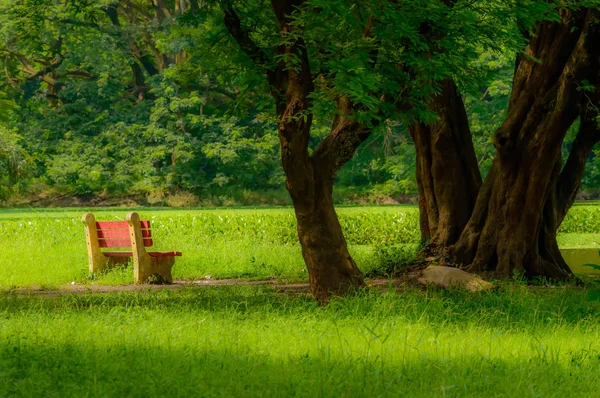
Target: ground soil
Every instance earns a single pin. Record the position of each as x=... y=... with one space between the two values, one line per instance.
x=408 y=279
x=293 y=288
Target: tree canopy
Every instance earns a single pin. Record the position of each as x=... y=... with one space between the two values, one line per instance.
x=150 y=98
x=92 y=80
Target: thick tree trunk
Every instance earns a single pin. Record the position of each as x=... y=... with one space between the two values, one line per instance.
x=514 y=223
x=447 y=174
x=331 y=269
x=309 y=178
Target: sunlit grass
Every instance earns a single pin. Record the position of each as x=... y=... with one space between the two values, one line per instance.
x=254 y=341
x=46 y=247
x=574 y=240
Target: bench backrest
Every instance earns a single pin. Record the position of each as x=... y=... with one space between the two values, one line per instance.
x=116 y=233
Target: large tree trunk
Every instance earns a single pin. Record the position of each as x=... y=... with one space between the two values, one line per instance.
x=331 y=269
x=309 y=178
x=447 y=174
x=520 y=206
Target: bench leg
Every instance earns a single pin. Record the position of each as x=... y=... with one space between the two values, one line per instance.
x=159 y=267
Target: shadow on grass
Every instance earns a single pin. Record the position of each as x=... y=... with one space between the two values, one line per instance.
x=514 y=308
x=146 y=371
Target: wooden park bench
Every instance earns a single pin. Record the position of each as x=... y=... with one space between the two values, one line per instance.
x=133 y=234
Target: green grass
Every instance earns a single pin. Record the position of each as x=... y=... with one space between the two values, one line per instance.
x=251 y=341
x=46 y=247
x=574 y=240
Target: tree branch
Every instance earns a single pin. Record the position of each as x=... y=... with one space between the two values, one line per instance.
x=113 y=14
x=572 y=173
x=340 y=145
x=233 y=24
x=42 y=73
x=194 y=7
x=144 y=59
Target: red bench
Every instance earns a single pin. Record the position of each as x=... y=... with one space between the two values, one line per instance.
x=134 y=234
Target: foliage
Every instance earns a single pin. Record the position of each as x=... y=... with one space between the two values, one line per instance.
x=117 y=99
x=15 y=164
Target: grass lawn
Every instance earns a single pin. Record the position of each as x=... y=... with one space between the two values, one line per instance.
x=46 y=247
x=242 y=341
x=252 y=341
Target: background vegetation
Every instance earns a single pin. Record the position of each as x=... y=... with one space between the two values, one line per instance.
x=141 y=107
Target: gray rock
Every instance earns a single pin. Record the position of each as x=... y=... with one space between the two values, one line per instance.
x=446 y=277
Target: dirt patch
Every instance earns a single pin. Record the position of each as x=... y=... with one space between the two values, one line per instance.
x=292 y=288
x=91 y=288
x=408 y=279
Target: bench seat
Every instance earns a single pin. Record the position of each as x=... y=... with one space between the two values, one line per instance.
x=164 y=254
x=151 y=254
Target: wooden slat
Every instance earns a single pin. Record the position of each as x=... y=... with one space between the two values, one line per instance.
x=116 y=242
x=118 y=254
x=120 y=233
x=116 y=233
x=113 y=233
x=120 y=229
x=146 y=232
x=145 y=224
x=112 y=225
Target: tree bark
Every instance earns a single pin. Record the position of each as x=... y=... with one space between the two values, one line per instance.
x=309 y=178
x=514 y=222
x=572 y=173
x=331 y=268
x=448 y=178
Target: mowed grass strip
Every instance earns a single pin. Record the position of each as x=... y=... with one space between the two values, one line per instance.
x=251 y=341
x=46 y=247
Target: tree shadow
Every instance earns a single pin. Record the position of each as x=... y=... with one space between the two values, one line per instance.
x=517 y=308
x=155 y=370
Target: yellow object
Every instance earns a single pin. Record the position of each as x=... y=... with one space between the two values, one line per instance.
x=582 y=261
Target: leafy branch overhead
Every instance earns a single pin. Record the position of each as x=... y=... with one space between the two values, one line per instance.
x=450 y=100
